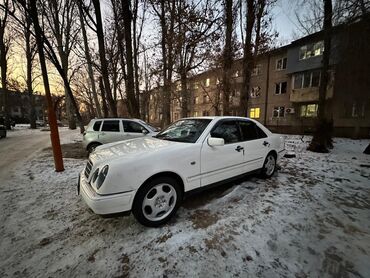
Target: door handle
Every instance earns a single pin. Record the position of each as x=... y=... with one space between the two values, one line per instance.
x=239 y=148
x=265 y=143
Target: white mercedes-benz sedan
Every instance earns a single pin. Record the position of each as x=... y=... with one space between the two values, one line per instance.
x=150 y=176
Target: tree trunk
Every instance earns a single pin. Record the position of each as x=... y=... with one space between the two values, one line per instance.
x=133 y=106
x=29 y=59
x=4 y=68
x=184 y=94
x=89 y=62
x=54 y=133
x=322 y=137
x=227 y=58
x=103 y=60
x=102 y=92
x=247 y=59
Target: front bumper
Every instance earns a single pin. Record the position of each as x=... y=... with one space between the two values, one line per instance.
x=104 y=204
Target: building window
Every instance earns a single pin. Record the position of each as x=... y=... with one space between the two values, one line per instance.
x=358 y=110
x=217 y=81
x=257 y=70
x=311 y=50
x=196 y=114
x=254 y=113
x=280 y=88
x=196 y=85
x=281 y=63
x=196 y=100
x=205 y=113
x=309 y=110
x=208 y=82
x=205 y=98
x=255 y=92
x=279 y=112
x=307 y=79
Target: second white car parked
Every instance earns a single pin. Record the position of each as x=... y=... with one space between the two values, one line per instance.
x=150 y=176
x=108 y=130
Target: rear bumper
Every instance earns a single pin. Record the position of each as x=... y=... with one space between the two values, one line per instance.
x=104 y=204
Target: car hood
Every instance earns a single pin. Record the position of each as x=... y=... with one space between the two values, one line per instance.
x=130 y=148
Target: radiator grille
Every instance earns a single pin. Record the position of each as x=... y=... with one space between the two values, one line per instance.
x=88 y=169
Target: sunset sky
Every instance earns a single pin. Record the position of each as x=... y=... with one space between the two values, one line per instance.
x=284 y=22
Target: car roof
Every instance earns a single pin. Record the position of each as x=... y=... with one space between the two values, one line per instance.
x=128 y=119
x=219 y=117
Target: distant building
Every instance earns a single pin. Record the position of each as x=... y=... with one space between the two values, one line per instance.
x=284 y=89
x=19 y=106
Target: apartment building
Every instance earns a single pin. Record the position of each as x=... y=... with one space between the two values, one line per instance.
x=19 y=106
x=284 y=89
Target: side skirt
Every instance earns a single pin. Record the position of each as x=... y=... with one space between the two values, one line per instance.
x=223 y=182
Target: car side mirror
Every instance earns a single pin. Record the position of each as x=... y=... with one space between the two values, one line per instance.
x=214 y=142
x=144 y=131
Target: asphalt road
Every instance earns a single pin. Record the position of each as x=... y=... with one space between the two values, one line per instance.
x=18 y=147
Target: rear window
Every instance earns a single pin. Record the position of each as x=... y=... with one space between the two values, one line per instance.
x=132 y=127
x=111 y=125
x=97 y=125
x=251 y=131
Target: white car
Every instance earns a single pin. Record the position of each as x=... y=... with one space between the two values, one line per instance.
x=150 y=176
x=102 y=131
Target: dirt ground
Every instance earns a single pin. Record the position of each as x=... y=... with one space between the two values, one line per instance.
x=312 y=219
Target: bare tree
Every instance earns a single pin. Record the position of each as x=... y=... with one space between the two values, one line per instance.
x=197 y=33
x=103 y=60
x=4 y=48
x=227 y=56
x=322 y=139
x=310 y=21
x=54 y=134
x=30 y=51
x=247 y=56
x=61 y=17
x=88 y=60
x=132 y=101
x=165 y=11
x=258 y=38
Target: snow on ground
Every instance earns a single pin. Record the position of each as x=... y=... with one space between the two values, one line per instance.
x=312 y=219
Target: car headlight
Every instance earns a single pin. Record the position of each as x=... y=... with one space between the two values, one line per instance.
x=101 y=177
x=95 y=175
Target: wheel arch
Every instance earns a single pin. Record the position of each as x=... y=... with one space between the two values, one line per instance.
x=93 y=143
x=165 y=174
x=273 y=152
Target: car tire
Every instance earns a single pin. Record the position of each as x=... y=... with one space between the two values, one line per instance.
x=92 y=146
x=157 y=201
x=269 y=166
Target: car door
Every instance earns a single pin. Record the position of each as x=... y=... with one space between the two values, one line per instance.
x=133 y=129
x=222 y=162
x=110 y=131
x=256 y=145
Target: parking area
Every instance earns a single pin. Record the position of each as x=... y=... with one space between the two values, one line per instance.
x=312 y=219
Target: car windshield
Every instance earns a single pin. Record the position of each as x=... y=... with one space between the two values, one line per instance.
x=186 y=131
x=152 y=128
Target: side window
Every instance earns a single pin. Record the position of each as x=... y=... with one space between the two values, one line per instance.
x=261 y=133
x=229 y=131
x=133 y=127
x=97 y=125
x=248 y=130
x=110 y=125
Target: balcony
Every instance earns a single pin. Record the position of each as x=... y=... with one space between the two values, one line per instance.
x=308 y=94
